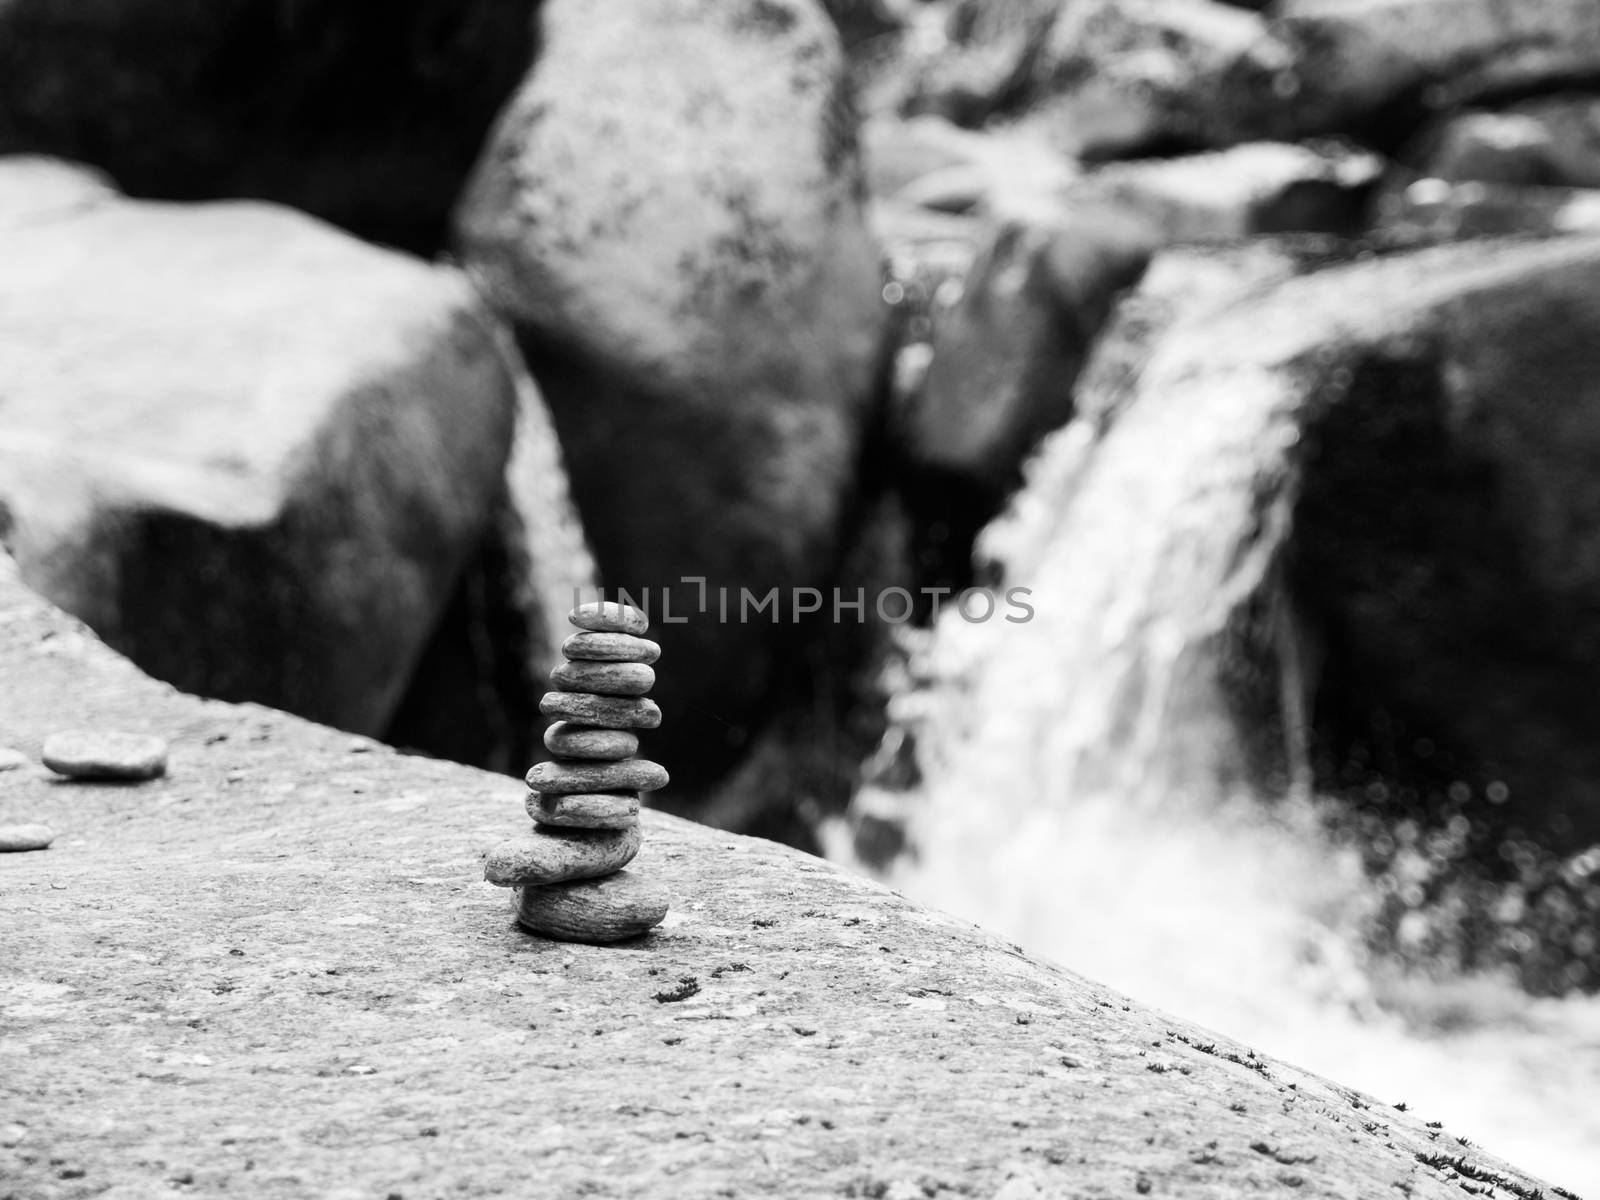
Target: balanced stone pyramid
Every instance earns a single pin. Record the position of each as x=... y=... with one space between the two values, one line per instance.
x=584 y=802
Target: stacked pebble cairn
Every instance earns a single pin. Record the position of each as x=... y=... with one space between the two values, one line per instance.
x=568 y=872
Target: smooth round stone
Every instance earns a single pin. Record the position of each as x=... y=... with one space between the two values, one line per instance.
x=604 y=678
x=610 y=647
x=11 y=759
x=599 y=911
x=105 y=754
x=585 y=810
x=581 y=741
x=608 y=712
x=575 y=775
x=553 y=855
x=17 y=838
x=608 y=616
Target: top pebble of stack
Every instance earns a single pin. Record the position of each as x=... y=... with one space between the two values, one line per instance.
x=608 y=616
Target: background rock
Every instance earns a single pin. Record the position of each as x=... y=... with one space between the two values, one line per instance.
x=249 y=450
x=1380 y=67
x=1549 y=141
x=685 y=259
x=367 y=116
x=1247 y=190
x=1103 y=78
x=1006 y=357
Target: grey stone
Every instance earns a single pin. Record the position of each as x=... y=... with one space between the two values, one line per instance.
x=25 y=837
x=631 y=774
x=11 y=759
x=554 y=855
x=581 y=741
x=585 y=810
x=604 y=678
x=249 y=450
x=609 y=616
x=685 y=255
x=610 y=647
x=104 y=754
x=608 y=712
x=613 y=909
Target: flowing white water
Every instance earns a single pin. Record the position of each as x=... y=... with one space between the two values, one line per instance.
x=1088 y=792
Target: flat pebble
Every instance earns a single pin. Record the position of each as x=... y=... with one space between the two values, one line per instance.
x=15 y=838
x=599 y=911
x=576 y=775
x=610 y=647
x=580 y=741
x=604 y=678
x=11 y=759
x=105 y=754
x=585 y=810
x=552 y=855
x=608 y=712
x=608 y=616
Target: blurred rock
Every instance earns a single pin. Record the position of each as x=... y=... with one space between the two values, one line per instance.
x=1374 y=64
x=1108 y=77
x=1340 y=519
x=1551 y=141
x=250 y=451
x=1254 y=188
x=39 y=189
x=984 y=63
x=1433 y=210
x=369 y=116
x=685 y=258
x=1006 y=357
x=863 y=21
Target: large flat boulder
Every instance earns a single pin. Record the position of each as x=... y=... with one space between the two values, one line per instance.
x=252 y=452
x=684 y=255
x=277 y=971
x=367 y=116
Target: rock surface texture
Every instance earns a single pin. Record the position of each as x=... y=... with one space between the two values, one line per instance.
x=277 y=972
x=274 y=502
x=684 y=255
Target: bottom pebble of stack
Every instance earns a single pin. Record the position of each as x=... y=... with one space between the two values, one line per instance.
x=612 y=909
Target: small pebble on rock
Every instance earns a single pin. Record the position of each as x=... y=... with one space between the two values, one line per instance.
x=575 y=775
x=613 y=909
x=608 y=616
x=585 y=810
x=16 y=838
x=610 y=647
x=554 y=855
x=608 y=712
x=105 y=755
x=579 y=741
x=604 y=678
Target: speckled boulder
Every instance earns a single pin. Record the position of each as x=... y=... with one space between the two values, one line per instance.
x=670 y=212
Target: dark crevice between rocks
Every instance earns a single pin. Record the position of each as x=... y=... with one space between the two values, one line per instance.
x=471 y=699
x=369 y=116
x=1452 y=709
